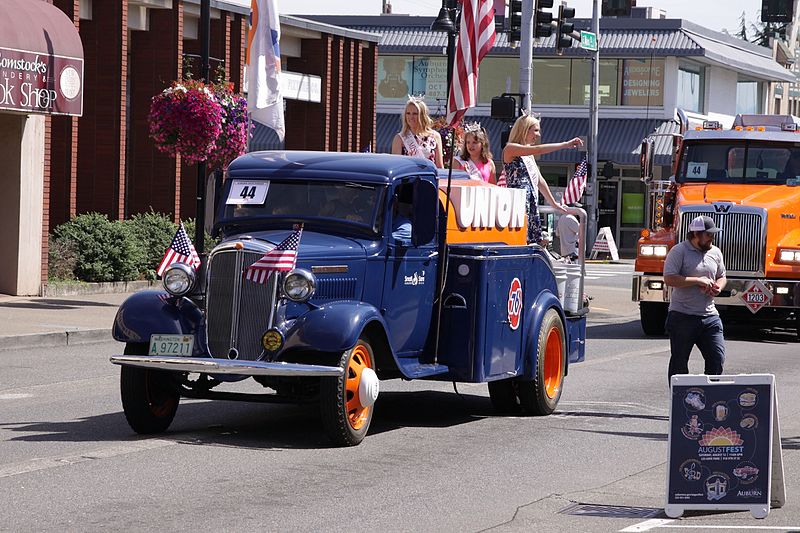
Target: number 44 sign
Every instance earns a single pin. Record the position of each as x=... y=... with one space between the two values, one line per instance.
x=756 y=296
x=247 y=192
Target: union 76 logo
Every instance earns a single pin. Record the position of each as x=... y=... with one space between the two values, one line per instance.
x=514 y=303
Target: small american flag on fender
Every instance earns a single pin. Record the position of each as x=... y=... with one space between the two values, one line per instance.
x=181 y=250
x=280 y=259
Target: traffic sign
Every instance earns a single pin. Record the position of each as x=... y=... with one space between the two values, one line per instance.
x=589 y=40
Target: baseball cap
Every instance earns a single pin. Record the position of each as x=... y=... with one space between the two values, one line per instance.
x=703 y=223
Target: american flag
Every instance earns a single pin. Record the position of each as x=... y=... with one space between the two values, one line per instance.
x=180 y=250
x=577 y=184
x=475 y=39
x=281 y=258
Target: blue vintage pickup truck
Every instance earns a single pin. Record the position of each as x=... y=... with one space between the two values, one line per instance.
x=387 y=284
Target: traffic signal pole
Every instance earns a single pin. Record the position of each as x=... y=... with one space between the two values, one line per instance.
x=591 y=207
x=526 y=55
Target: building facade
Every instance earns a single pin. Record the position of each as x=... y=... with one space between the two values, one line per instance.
x=649 y=67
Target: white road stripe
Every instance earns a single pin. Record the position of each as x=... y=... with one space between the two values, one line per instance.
x=665 y=523
x=647 y=525
x=14 y=396
x=34 y=465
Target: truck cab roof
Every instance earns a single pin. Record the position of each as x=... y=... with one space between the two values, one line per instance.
x=372 y=168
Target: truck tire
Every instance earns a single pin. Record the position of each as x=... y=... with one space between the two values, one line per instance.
x=503 y=395
x=540 y=396
x=653 y=315
x=345 y=420
x=149 y=397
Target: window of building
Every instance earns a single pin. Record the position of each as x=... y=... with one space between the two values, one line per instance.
x=642 y=82
x=748 y=97
x=498 y=75
x=551 y=81
x=691 y=87
x=395 y=78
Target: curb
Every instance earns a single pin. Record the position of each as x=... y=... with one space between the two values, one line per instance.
x=55 y=340
x=109 y=287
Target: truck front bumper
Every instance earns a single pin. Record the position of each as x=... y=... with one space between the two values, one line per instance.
x=785 y=293
x=207 y=365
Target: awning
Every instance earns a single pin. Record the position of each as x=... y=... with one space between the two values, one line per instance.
x=619 y=140
x=41 y=59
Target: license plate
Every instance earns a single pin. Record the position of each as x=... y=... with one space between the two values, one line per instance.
x=171 y=345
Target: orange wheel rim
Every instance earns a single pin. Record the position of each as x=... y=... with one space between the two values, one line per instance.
x=553 y=363
x=357 y=414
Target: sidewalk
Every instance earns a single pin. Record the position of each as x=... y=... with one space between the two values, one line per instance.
x=56 y=321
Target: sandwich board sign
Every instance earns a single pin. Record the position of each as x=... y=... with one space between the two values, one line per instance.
x=724 y=445
x=604 y=244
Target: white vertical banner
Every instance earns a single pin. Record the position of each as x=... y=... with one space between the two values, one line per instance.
x=264 y=100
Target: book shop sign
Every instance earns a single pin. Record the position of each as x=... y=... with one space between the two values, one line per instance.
x=40 y=83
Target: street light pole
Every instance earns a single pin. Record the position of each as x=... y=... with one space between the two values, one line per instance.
x=205 y=49
x=593 y=121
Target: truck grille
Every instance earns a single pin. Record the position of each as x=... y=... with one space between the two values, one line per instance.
x=742 y=240
x=238 y=311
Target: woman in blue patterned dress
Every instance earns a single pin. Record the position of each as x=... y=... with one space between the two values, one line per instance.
x=522 y=172
x=417 y=138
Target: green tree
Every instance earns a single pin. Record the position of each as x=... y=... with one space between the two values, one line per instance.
x=742 y=33
x=762 y=31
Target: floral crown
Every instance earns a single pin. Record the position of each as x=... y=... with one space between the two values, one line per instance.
x=472 y=127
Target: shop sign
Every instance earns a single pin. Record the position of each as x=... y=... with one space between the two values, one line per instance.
x=642 y=82
x=40 y=83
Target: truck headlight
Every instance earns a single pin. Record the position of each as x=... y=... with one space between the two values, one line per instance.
x=299 y=285
x=789 y=256
x=179 y=279
x=651 y=250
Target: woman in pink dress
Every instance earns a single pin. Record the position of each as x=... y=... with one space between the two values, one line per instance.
x=417 y=138
x=475 y=157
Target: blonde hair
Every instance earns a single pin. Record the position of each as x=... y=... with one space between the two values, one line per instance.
x=425 y=122
x=482 y=137
x=519 y=132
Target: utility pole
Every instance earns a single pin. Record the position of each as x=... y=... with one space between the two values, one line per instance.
x=205 y=52
x=526 y=55
x=592 y=144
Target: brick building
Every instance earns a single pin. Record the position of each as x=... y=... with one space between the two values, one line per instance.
x=104 y=160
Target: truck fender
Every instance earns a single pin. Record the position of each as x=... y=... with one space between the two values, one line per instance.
x=336 y=326
x=544 y=301
x=151 y=312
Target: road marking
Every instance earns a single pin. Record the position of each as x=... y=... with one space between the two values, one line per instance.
x=665 y=523
x=34 y=465
x=14 y=396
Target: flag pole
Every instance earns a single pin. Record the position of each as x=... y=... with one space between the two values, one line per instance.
x=205 y=46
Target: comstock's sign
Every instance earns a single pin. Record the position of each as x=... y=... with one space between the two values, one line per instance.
x=40 y=83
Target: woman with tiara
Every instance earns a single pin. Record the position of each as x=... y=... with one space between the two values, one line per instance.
x=475 y=156
x=417 y=138
x=522 y=172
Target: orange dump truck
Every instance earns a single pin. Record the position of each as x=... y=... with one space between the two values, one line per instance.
x=747 y=179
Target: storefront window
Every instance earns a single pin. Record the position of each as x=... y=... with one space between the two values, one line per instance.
x=551 y=81
x=395 y=78
x=582 y=82
x=691 y=87
x=748 y=97
x=633 y=195
x=498 y=75
x=430 y=77
x=642 y=82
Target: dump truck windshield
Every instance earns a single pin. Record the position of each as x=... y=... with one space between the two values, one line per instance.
x=746 y=162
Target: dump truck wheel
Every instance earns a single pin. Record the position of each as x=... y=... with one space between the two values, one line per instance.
x=653 y=315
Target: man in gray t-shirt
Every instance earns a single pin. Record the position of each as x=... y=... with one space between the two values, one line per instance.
x=695 y=270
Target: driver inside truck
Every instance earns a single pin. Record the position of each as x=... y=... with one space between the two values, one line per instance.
x=792 y=168
x=401 y=214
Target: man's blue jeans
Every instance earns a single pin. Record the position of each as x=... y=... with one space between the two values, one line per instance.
x=686 y=331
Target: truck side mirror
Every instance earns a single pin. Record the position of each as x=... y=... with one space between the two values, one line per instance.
x=426 y=205
x=646 y=159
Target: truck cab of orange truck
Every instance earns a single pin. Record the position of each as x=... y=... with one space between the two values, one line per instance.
x=747 y=179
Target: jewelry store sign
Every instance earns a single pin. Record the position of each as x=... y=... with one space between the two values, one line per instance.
x=40 y=83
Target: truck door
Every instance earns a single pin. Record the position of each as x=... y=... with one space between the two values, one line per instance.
x=410 y=278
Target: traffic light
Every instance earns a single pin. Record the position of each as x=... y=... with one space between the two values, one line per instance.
x=617 y=8
x=542 y=19
x=776 y=10
x=515 y=21
x=565 y=28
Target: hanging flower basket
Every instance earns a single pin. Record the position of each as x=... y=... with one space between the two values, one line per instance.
x=232 y=140
x=186 y=120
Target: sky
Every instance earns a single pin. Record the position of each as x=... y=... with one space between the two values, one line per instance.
x=713 y=14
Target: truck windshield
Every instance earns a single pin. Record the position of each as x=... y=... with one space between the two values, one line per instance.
x=745 y=162
x=347 y=203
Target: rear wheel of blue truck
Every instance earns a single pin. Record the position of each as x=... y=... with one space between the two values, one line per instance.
x=149 y=397
x=346 y=402
x=540 y=396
